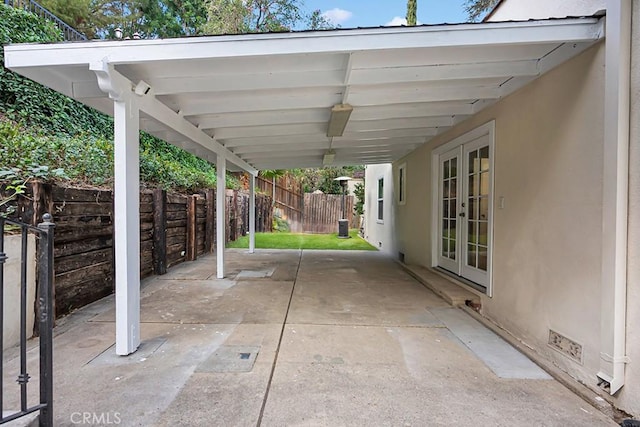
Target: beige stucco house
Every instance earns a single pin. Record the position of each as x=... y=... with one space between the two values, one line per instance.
x=533 y=205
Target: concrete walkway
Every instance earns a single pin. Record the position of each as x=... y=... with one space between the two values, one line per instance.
x=312 y=338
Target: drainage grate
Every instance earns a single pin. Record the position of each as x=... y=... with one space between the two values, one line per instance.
x=230 y=358
x=566 y=346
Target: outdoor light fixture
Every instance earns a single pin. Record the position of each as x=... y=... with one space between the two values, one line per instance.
x=118 y=33
x=340 y=114
x=329 y=157
x=142 y=88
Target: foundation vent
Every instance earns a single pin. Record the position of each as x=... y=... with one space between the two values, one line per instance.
x=566 y=346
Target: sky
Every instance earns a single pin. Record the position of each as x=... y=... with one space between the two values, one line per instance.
x=373 y=13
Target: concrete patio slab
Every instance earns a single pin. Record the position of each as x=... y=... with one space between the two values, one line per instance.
x=334 y=338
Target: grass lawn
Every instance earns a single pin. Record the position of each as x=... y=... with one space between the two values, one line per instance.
x=304 y=241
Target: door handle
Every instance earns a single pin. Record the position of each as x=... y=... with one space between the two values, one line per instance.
x=462 y=214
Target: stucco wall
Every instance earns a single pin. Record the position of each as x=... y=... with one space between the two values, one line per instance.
x=514 y=10
x=380 y=234
x=629 y=396
x=11 y=329
x=547 y=239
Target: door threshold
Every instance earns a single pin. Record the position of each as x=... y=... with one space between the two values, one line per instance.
x=461 y=280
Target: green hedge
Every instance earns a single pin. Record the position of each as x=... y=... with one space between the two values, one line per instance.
x=39 y=126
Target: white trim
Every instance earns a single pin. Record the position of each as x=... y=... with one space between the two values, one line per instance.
x=615 y=194
x=487 y=129
x=140 y=51
x=402 y=184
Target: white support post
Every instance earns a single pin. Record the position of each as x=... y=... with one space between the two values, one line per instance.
x=252 y=213
x=127 y=225
x=221 y=190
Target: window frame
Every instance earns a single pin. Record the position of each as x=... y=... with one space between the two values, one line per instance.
x=402 y=184
x=380 y=199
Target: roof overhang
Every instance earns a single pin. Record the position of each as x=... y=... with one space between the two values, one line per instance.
x=265 y=99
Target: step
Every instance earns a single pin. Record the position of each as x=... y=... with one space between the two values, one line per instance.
x=447 y=289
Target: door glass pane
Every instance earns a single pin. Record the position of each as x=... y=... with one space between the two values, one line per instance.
x=452 y=229
x=472 y=233
x=484 y=158
x=453 y=168
x=452 y=249
x=483 y=232
x=445 y=248
x=484 y=209
x=445 y=209
x=482 y=258
x=473 y=162
x=484 y=183
x=471 y=255
x=453 y=188
x=473 y=185
x=453 y=208
x=445 y=168
x=471 y=209
x=445 y=189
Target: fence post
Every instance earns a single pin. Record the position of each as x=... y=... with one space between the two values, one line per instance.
x=210 y=226
x=192 y=245
x=46 y=315
x=159 y=231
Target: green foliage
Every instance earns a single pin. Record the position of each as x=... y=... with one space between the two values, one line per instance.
x=75 y=13
x=304 y=241
x=476 y=9
x=412 y=12
x=358 y=191
x=44 y=128
x=323 y=179
x=280 y=224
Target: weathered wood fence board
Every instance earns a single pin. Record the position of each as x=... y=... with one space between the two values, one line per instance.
x=173 y=228
x=288 y=195
x=322 y=212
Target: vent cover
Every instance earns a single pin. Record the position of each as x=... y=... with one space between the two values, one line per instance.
x=566 y=346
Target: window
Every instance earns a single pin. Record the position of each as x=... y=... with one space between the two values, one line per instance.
x=462 y=206
x=402 y=179
x=380 y=199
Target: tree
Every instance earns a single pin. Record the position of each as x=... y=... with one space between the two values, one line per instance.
x=412 y=12
x=478 y=8
x=259 y=16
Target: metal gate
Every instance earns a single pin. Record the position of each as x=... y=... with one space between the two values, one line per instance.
x=44 y=318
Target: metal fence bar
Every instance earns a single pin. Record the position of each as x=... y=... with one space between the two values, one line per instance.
x=23 y=378
x=44 y=231
x=3 y=258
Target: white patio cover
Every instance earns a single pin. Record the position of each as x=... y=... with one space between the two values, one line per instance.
x=263 y=101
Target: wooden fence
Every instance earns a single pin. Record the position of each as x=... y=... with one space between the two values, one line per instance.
x=173 y=228
x=288 y=196
x=322 y=212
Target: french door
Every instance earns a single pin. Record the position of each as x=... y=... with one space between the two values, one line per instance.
x=465 y=210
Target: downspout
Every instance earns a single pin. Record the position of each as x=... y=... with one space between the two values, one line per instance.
x=613 y=358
